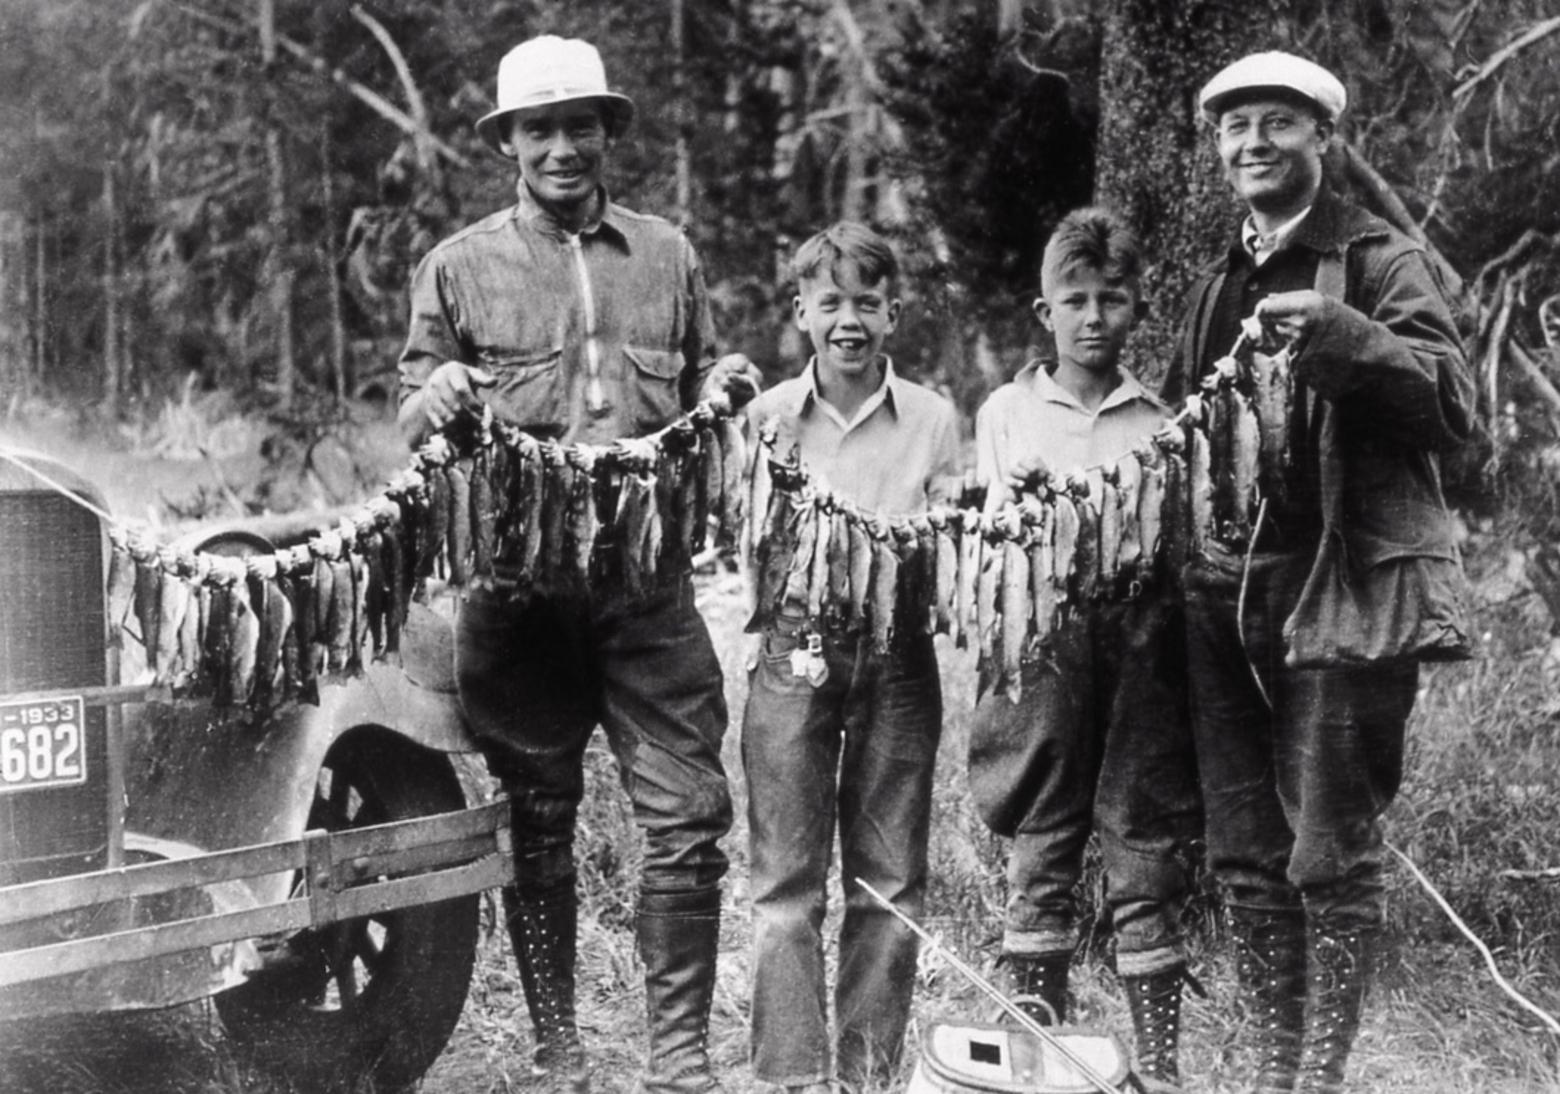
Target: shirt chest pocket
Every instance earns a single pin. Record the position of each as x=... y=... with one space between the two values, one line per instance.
x=650 y=389
x=532 y=388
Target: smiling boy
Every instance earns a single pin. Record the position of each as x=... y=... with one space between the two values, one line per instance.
x=1098 y=739
x=851 y=738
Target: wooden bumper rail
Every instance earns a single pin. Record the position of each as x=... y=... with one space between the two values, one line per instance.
x=344 y=875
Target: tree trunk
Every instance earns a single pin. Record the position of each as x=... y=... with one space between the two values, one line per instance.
x=1154 y=161
x=278 y=267
x=680 y=116
x=338 y=332
x=113 y=365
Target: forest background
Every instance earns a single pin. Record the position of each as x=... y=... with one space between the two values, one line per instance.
x=209 y=210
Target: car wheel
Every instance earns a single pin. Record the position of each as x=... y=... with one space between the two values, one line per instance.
x=365 y=1003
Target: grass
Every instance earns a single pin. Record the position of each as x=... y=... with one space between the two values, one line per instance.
x=1481 y=795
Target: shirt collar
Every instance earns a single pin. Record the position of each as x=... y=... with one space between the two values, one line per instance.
x=884 y=396
x=1045 y=387
x=528 y=209
x=1261 y=247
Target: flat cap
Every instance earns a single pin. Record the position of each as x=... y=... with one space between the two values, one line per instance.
x=1273 y=71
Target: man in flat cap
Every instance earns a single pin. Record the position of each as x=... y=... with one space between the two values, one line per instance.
x=580 y=321
x=1304 y=644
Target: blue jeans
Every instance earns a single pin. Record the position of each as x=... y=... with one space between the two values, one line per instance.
x=1294 y=791
x=1099 y=740
x=858 y=750
x=535 y=679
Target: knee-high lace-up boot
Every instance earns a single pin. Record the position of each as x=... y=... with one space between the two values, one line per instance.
x=542 y=927
x=1155 y=1003
x=1340 y=969
x=1270 y=966
x=1042 y=977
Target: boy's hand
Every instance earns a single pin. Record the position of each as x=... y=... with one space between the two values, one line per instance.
x=1291 y=315
x=1024 y=476
x=452 y=390
x=734 y=380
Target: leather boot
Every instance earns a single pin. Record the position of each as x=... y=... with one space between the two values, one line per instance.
x=542 y=930
x=1270 y=966
x=1042 y=977
x=1155 y=1003
x=1340 y=969
x=679 y=935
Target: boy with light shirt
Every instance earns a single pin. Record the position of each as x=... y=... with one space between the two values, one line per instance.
x=1099 y=738
x=854 y=739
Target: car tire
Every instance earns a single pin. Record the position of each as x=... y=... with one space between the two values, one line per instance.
x=365 y=1004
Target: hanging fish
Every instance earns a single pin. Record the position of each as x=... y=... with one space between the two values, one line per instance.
x=173 y=599
x=733 y=458
x=971 y=538
x=1086 y=550
x=323 y=600
x=189 y=635
x=1044 y=589
x=1016 y=604
x=343 y=594
x=121 y=584
x=926 y=564
x=243 y=645
x=710 y=477
x=1066 y=532
x=988 y=591
x=1151 y=505
x=773 y=550
x=636 y=500
x=885 y=587
x=798 y=580
x=558 y=482
x=1246 y=453
x=303 y=572
x=1129 y=489
x=1199 y=487
x=912 y=597
x=358 y=634
x=863 y=554
x=945 y=570
x=760 y=493
x=837 y=601
x=584 y=523
x=1110 y=516
x=526 y=505
x=484 y=511
x=148 y=584
x=1273 y=394
x=1176 y=531
x=376 y=594
x=459 y=535
x=288 y=594
x=432 y=544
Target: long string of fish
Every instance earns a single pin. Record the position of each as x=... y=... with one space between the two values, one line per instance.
x=479 y=501
x=1002 y=581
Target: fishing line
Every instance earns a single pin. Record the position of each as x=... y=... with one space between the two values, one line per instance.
x=1489 y=958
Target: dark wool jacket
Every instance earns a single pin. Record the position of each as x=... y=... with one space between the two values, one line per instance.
x=1387 y=368
x=1388 y=388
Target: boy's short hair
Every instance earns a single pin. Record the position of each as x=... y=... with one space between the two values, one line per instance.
x=846 y=241
x=1093 y=238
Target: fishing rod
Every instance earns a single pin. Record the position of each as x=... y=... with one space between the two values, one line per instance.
x=1011 y=1009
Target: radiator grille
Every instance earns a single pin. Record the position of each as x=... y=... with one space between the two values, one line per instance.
x=52 y=638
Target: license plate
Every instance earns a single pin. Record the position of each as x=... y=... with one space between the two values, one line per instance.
x=42 y=743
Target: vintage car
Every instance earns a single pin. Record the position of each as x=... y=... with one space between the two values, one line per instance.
x=315 y=868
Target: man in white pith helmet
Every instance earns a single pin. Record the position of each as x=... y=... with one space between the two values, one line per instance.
x=578 y=320
x=1300 y=700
